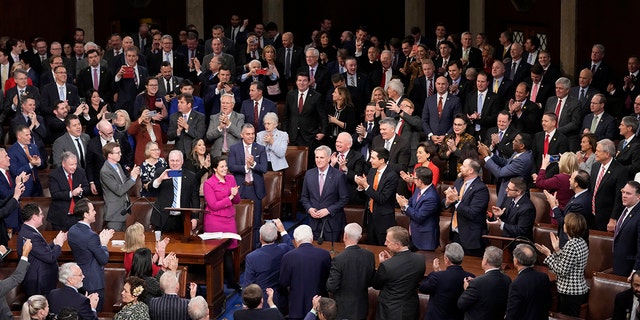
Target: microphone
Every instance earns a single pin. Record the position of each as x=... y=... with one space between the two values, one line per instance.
x=321 y=237
x=127 y=210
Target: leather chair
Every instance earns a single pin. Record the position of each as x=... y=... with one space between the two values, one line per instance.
x=272 y=201
x=113 y=283
x=355 y=214
x=541 y=235
x=603 y=293
x=244 y=224
x=141 y=212
x=600 y=253
x=182 y=273
x=542 y=206
x=445 y=229
x=43 y=175
x=98 y=205
x=297 y=158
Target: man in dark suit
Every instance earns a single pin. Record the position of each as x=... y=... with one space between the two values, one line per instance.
x=438 y=113
x=142 y=38
x=445 y=49
x=11 y=189
x=380 y=187
x=381 y=73
x=499 y=138
x=397 y=277
x=623 y=304
x=459 y=86
x=67 y=296
x=89 y=249
x=324 y=195
x=42 y=276
x=471 y=57
x=518 y=68
x=304 y=271
x=549 y=140
x=481 y=107
x=525 y=114
x=350 y=163
x=485 y=297
x=470 y=198
x=358 y=83
x=257 y=105
x=95 y=77
x=423 y=87
x=217 y=32
x=398 y=146
x=608 y=177
x=169 y=84
x=628 y=153
x=14 y=96
x=319 y=77
x=178 y=60
x=186 y=125
x=423 y=209
x=192 y=50
x=262 y=266
x=67 y=185
x=290 y=55
x=598 y=122
x=541 y=88
x=27 y=117
x=350 y=276
x=366 y=131
x=520 y=164
x=444 y=287
x=95 y=157
x=602 y=73
x=529 y=296
x=73 y=140
x=626 y=238
x=580 y=203
x=128 y=84
x=584 y=92
x=503 y=51
x=500 y=83
x=169 y=306
x=248 y=163
x=305 y=118
x=170 y=221
x=25 y=157
x=516 y=214
x=568 y=111
x=52 y=92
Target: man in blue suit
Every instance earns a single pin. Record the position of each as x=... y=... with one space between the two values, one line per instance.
x=11 y=188
x=520 y=164
x=529 y=297
x=423 y=208
x=89 y=249
x=444 y=287
x=324 y=195
x=248 y=163
x=439 y=110
x=580 y=203
x=42 y=276
x=257 y=105
x=262 y=266
x=604 y=126
x=626 y=236
x=25 y=157
x=304 y=271
x=28 y=117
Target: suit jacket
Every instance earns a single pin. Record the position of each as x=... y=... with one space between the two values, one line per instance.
x=522 y=71
x=66 y=296
x=626 y=244
x=276 y=152
x=217 y=136
x=546 y=89
x=360 y=93
x=179 y=63
x=431 y=123
x=266 y=106
x=95 y=157
x=505 y=169
x=606 y=128
x=629 y=156
x=50 y=95
x=184 y=139
x=8 y=284
x=9 y=209
x=189 y=197
x=169 y=306
x=623 y=305
x=42 y=275
x=399 y=154
x=265 y=314
x=570 y=118
x=503 y=149
x=115 y=186
x=304 y=271
x=505 y=89
x=491 y=106
x=127 y=89
x=486 y=296
x=355 y=164
x=383 y=215
x=227 y=61
x=475 y=57
x=174 y=82
x=321 y=76
x=444 y=288
x=376 y=74
x=89 y=254
x=60 y=195
x=67 y=143
x=529 y=120
x=335 y=195
x=608 y=198
x=471 y=213
x=464 y=87
x=311 y=121
x=297 y=59
x=424 y=213
x=237 y=166
x=227 y=47
x=529 y=296
x=585 y=102
x=419 y=94
x=38 y=134
x=557 y=144
x=10 y=110
x=518 y=220
x=602 y=76
x=20 y=163
x=349 y=281
x=198 y=52
x=397 y=279
x=580 y=204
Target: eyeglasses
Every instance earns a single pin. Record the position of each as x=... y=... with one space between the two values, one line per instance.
x=119 y=152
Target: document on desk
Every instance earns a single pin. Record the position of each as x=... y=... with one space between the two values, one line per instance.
x=219 y=235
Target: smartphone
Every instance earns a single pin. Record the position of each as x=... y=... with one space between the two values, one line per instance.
x=158 y=99
x=554 y=158
x=153 y=113
x=82 y=100
x=174 y=173
x=382 y=104
x=261 y=71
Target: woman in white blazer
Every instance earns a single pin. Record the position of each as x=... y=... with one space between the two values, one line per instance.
x=275 y=141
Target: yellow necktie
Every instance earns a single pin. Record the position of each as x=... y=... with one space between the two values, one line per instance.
x=454 y=223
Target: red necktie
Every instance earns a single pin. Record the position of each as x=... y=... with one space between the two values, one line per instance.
x=255 y=115
x=400 y=125
x=558 y=110
x=384 y=77
x=440 y=107
x=96 y=80
x=6 y=173
x=546 y=145
x=300 y=102
x=430 y=93
x=534 y=92
x=73 y=203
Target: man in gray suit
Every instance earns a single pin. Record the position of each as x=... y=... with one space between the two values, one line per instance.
x=186 y=125
x=567 y=109
x=115 y=185
x=8 y=283
x=226 y=60
x=225 y=127
x=74 y=141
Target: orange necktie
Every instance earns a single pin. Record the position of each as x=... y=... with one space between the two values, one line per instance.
x=375 y=187
x=454 y=223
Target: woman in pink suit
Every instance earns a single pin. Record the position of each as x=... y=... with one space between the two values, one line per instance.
x=221 y=193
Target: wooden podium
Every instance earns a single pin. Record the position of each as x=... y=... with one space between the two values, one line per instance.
x=187 y=235
x=507 y=258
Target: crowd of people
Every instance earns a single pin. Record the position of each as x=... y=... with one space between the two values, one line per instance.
x=385 y=123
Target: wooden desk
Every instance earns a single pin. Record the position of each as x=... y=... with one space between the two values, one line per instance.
x=209 y=253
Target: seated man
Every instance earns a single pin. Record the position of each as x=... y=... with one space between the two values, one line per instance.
x=169 y=306
x=323 y=309
x=71 y=277
x=517 y=214
x=253 y=305
x=623 y=305
x=198 y=308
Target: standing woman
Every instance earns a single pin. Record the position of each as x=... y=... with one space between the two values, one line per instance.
x=343 y=119
x=424 y=153
x=121 y=123
x=587 y=153
x=275 y=143
x=97 y=108
x=221 y=193
x=275 y=88
x=558 y=182
x=145 y=130
x=568 y=264
x=198 y=162
x=456 y=147
x=150 y=99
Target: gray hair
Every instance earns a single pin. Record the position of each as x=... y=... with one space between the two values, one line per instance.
x=166 y=36
x=246 y=126
x=314 y=52
x=493 y=256
x=386 y=52
x=347 y=136
x=396 y=85
x=607 y=146
x=66 y=271
x=388 y=121
x=68 y=155
x=90 y=45
x=178 y=152
x=600 y=47
x=353 y=231
x=454 y=252
x=268 y=232
x=525 y=255
x=255 y=61
x=303 y=234
x=630 y=121
x=271 y=116
x=198 y=308
x=233 y=98
x=324 y=148
x=564 y=82
x=169 y=281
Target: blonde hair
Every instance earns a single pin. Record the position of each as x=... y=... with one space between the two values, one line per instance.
x=568 y=163
x=133 y=237
x=32 y=306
